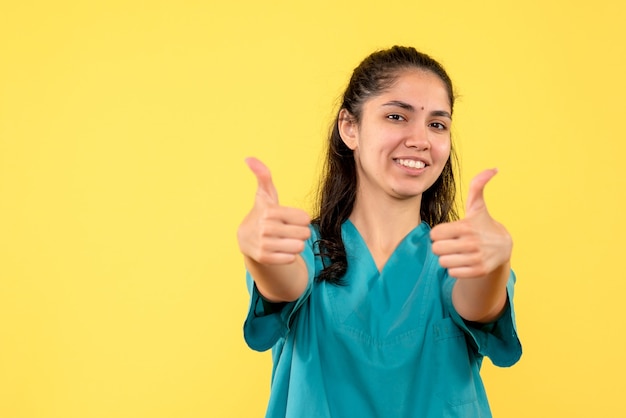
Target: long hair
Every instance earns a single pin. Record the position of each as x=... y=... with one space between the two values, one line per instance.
x=337 y=189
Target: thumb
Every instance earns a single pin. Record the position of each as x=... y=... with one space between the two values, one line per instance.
x=475 y=196
x=264 y=179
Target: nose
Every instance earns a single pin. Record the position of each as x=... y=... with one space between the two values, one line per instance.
x=418 y=138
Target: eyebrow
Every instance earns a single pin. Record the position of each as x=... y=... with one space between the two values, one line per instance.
x=410 y=108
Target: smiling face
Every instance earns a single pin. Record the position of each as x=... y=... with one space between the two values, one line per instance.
x=402 y=141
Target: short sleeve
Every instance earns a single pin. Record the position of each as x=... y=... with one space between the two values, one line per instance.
x=268 y=322
x=497 y=340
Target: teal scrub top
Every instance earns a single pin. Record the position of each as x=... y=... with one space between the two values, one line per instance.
x=385 y=344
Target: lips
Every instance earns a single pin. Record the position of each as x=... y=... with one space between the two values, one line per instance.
x=411 y=163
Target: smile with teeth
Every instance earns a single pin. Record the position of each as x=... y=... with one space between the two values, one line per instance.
x=411 y=163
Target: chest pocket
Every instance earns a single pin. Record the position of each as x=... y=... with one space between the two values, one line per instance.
x=454 y=379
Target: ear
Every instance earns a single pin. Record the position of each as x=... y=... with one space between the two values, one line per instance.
x=348 y=129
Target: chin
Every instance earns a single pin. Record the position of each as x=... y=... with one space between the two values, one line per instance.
x=405 y=194
x=409 y=189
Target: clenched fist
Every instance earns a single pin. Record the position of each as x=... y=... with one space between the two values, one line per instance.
x=476 y=245
x=271 y=234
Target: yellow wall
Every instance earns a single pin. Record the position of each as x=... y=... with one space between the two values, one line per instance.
x=123 y=129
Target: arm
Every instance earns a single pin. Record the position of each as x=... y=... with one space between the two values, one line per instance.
x=271 y=238
x=476 y=251
x=484 y=299
x=279 y=282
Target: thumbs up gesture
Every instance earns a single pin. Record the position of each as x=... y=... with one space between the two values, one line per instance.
x=477 y=245
x=271 y=234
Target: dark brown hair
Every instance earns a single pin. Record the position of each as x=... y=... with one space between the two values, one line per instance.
x=337 y=189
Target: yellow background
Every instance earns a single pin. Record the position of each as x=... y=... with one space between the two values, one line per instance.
x=123 y=130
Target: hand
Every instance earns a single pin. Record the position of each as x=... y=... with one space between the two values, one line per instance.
x=270 y=233
x=477 y=245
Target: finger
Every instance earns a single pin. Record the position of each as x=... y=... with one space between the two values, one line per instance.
x=450 y=230
x=475 y=196
x=452 y=261
x=264 y=179
x=464 y=266
x=283 y=246
x=279 y=230
x=466 y=272
x=277 y=258
x=290 y=216
x=455 y=246
x=279 y=251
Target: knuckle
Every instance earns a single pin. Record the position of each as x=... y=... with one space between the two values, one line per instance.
x=304 y=233
x=265 y=230
x=270 y=212
x=481 y=270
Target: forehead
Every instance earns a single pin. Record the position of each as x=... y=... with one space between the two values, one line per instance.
x=417 y=88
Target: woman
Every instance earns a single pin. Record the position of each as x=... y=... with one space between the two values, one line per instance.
x=385 y=304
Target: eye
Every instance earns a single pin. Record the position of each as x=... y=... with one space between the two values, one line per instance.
x=395 y=117
x=438 y=125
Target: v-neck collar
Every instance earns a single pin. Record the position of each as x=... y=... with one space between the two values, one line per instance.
x=363 y=251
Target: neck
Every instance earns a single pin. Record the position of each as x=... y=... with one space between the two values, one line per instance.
x=384 y=222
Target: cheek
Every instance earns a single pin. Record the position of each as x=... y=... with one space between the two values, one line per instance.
x=442 y=149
